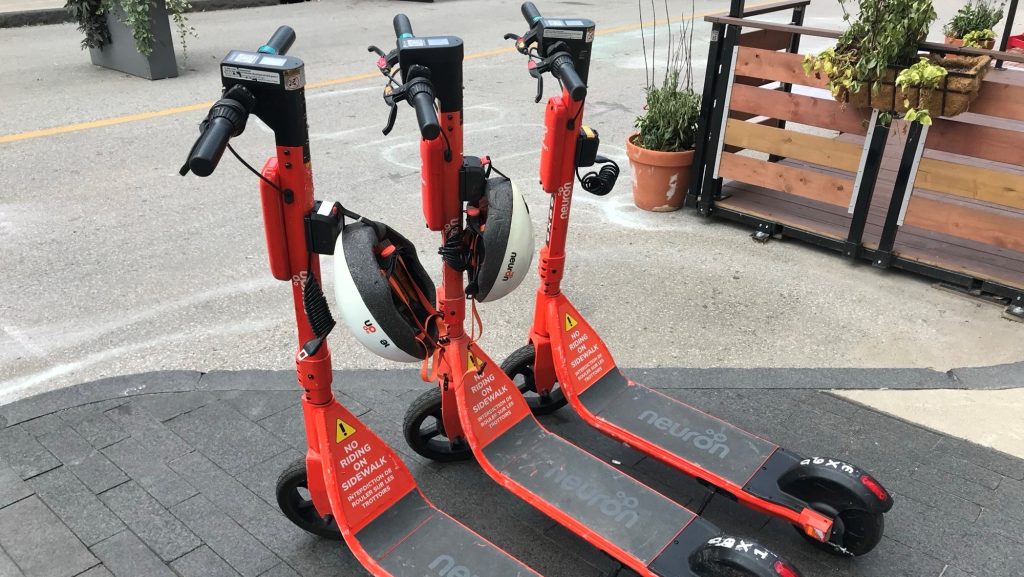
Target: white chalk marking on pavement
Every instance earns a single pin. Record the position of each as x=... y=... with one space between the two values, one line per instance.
x=25 y=342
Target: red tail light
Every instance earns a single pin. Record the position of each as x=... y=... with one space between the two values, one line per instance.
x=874 y=487
x=785 y=570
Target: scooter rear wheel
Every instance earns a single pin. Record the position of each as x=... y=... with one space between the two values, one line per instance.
x=855 y=531
x=424 y=430
x=731 y=557
x=519 y=367
x=295 y=502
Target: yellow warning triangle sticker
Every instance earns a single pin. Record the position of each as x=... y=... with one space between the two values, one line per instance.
x=344 y=431
x=472 y=363
x=570 y=322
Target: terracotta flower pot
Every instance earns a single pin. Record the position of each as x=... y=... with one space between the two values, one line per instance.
x=660 y=179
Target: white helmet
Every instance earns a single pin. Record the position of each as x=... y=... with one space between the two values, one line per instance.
x=385 y=296
x=502 y=221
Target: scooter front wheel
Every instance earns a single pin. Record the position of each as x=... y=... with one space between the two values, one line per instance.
x=519 y=367
x=725 y=556
x=295 y=502
x=423 y=428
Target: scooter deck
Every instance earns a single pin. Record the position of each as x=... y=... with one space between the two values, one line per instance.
x=413 y=539
x=680 y=429
x=663 y=426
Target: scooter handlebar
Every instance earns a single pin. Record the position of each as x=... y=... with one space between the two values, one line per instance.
x=210 y=146
x=531 y=13
x=565 y=71
x=403 y=28
x=426 y=116
x=280 y=42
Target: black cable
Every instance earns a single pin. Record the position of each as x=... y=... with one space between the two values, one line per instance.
x=254 y=171
x=600 y=182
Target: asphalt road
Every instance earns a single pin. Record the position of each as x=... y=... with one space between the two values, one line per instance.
x=113 y=264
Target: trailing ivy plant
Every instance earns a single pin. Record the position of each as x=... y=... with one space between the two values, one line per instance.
x=925 y=75
x=973 y=16
x=885 y=33
x=978 y=38
x=672 y=109
x=91 y=18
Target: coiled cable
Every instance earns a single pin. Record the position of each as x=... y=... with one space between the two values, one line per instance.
x=600 y=182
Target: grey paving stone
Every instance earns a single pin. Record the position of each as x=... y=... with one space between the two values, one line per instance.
x=156 y=526
x=955 y=485
x=227 y=437
x=1009 y=499
x=76 y=506
x=97 y=571
x=938 y=497
x=7 y=566
x=202 y=562
x=232 y=543
x=983 y=456
x=280 y=570
x=247 y=380
x=166 y=406
x=36 y=540
x=223 y=490
x=150 y=472
x=95 y=427
x=256 y=405
x=988 y=555
x=262 y=479
x=287 y=426
x=963 y=469
x=995 y=521
x=102 y=390
x=126 y=556
x=42 y=425
x=12 y=488
x=149 y=431
x=24 y=454
x=88 y=464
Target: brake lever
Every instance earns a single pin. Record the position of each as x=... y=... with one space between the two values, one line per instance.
x=538 y=73
x=385 y=62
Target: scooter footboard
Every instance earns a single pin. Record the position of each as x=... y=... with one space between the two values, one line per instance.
x=415 y=539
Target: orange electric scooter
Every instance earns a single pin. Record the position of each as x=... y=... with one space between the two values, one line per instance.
x=475 y=407
x=351 y=484
x=833 y=504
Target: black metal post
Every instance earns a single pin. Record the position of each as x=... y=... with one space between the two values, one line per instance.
x=869 y=176
x=707 y=105
x=712 y=187
x=1007 y=30
x=736 y=8
x=900 y=190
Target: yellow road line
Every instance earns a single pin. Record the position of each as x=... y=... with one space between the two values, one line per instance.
x=79 y=126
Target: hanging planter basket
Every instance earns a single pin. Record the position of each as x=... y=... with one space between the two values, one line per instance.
x=953 y=96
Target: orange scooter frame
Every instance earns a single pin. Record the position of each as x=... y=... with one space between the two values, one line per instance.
x=350 y=484
x=831 y=502
x=482 y=408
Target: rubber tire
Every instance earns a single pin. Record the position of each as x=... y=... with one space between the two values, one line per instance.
x=436 y=447
x=862 y=530
x=520 y=363
x=298 y=508
x=710 y=561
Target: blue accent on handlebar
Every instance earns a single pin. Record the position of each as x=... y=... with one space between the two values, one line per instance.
x=265 y=49
x=536 y=18
x=405 y=35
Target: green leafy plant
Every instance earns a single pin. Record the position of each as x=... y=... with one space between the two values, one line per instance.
x=979 y=38
x=672 y=109
x=91 y=18
x=885 y=33
x=973 y=16
x=924 y=75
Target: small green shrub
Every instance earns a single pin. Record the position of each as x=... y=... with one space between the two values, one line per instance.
x=978 y=38
x=975 y=15
x=91 y=18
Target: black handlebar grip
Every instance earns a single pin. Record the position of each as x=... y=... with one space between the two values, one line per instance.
x=403 y=28
x=566 y=72
x=281 y=41
x=210 y=146
x=531 y=13
x=426 y=116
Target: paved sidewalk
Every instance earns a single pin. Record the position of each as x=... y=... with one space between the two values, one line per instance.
x=172 y=473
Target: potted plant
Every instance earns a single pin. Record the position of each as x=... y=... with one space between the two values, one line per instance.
x=973 y=24
x=133 y=36
x=661 y=151
x=885 y=34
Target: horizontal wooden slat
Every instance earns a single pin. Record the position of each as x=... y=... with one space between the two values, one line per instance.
x=780 y=66
x=974 y=222
x=997 y=187
x=791 y=144
x=820 y=112
x=1000 y=99
x=790 y=179
x=995 y=144
x=766 y=39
